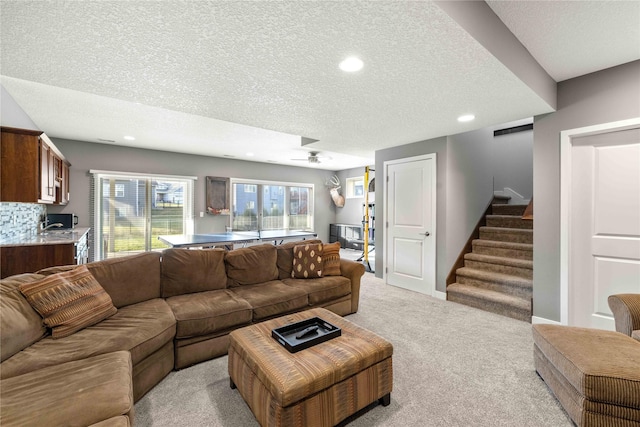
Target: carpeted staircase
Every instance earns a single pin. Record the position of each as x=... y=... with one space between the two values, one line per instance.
x=498 y=274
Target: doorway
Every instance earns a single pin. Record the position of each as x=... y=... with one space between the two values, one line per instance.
x=600 y=217
x=410 y=223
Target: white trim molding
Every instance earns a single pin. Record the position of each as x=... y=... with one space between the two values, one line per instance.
x=565 y=199
x=440 y=295
x=535 y=320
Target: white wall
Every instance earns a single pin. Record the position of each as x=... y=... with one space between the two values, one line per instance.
x=606 y=96
x=85 y=156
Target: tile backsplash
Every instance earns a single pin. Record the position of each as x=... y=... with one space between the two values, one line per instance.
x=20 y=219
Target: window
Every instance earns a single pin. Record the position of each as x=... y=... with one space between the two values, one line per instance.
x=355 y=187
x=132 y=210
x=262 y=205
x=119 y=190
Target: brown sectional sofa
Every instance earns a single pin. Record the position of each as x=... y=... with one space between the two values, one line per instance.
x=175 y=309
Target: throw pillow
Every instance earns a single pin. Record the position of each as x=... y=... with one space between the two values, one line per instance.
x=69 y=301
x=331 y=259
x=307 y=261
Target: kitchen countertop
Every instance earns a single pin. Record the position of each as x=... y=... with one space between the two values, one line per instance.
x=52 y=237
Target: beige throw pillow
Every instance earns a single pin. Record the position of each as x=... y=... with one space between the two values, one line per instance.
x=307 y=261
x=331 y=259
x=69 y=301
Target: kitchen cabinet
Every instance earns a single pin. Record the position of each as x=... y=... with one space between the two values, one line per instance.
x=32 y=169
x=53 y=249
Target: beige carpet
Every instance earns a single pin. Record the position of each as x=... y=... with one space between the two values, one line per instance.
x=453 y=366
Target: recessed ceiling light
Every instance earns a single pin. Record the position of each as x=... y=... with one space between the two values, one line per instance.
x=249 y=154
x=129 y=138
x=466 y=118
x=351 y=64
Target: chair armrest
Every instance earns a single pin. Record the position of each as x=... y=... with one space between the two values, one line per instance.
x=354 y=272
x=626 y=312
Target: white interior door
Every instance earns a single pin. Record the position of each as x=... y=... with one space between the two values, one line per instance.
x=410 y=252
x=604 y=229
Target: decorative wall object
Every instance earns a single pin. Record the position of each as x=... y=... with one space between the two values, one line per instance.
x=334 y=186
x=218 y=195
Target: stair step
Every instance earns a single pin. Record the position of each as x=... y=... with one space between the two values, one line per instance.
x=500 y=209
x=516 y=267
x=500 y=282
x=487 y=300
x=501 y=200
x=503 y=249
x=509 y=221
x=515 y=235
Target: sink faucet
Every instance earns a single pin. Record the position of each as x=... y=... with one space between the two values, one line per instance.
x=55 y=224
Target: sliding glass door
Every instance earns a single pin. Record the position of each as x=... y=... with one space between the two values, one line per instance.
x=131 y=211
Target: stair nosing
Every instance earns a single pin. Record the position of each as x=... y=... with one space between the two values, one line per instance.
x=520 y=303
x=506 y=230
x=504 y=245
x=502 y=278
x=498 y=260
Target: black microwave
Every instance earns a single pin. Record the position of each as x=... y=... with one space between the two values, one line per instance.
x=66 y=219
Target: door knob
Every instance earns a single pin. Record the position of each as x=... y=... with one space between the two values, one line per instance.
x=426 y=233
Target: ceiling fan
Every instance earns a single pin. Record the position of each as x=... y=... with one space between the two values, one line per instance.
x=312 y=157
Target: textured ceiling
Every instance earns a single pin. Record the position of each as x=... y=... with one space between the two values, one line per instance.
x=573 y=38
x=179 y=74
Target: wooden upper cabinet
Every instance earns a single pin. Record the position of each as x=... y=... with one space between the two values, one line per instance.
x=32 y=169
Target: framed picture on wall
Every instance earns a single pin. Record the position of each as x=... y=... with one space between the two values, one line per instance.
x=218 y=195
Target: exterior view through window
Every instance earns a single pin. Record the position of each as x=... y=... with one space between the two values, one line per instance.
x=132 y=211
x=271 y=206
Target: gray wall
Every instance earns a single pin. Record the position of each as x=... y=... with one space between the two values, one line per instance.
x=513 y=161
x=438 y=146
x=85 y=156
x=469 y=189
x=11 y=114
x=352 y=211
x=466 y=167
x=606 y=96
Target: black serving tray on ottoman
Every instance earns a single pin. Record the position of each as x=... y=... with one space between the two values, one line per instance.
x=318 y=330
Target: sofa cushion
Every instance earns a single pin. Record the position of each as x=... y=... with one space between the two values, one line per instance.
x=602 y=366
x=69 y=301
x=285 y=256
x=331 y=259
x=81 y=392
x=272 y=298
x=131 y=279
x=20 y=324
x=141 y=329
x=322 y=289
x=307 y=261
x=208 y=312
x=186 y=271
x=248 y=266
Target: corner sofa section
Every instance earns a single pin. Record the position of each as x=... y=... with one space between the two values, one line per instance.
x=174 y=309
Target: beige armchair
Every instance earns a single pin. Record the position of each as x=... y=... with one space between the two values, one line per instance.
x=626 y=312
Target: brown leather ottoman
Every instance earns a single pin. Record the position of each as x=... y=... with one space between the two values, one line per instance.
x=319 y=386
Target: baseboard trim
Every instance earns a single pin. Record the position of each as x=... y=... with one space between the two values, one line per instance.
x=542 y=320
x=440 y=295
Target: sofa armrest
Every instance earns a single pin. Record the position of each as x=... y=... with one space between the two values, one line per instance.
x=353 y=271
x=626 y=312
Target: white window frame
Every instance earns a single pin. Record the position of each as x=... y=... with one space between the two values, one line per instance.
x=350 y=187
x=98 y=175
